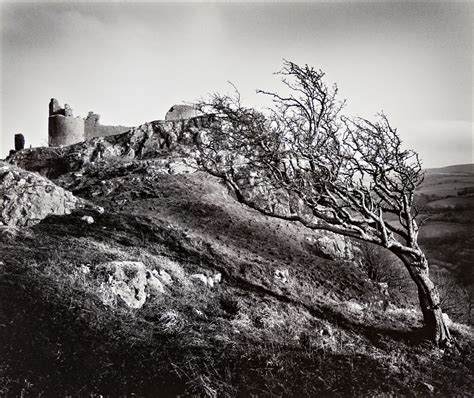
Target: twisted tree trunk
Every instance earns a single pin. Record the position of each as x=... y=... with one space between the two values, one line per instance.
x=428 y=295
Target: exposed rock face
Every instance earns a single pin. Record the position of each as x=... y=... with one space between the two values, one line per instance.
x=330 y=245
x=87 y=219
x=209 y=281
x=147 y=141
x=27 y=198
x=154 y=285
x=130 y=281
x=170 y=146
x=321 y=242
x=281 y=275
x=124 y=279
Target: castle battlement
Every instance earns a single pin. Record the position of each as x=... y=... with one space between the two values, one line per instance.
x=65 y=129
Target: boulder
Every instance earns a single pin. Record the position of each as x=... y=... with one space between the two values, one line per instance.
x=209 y=281
x=26 y=198
x=154 y=285
x=126 y=280
x=217 y=277
x=330 y=245
x=88 y=219
x=281 y=275
x=200 y=277
x=162 y=276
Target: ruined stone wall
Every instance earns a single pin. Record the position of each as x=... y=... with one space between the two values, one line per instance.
x=93 y=128
x=181 y=112
x=63 y=127
x=104 y=131
x=64 y=130
x=148 y=141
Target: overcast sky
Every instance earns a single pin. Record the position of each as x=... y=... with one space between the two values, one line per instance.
x=130 y=62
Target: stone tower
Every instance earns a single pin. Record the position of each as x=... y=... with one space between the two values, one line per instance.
x=63 y=127
x=180 y=112
x=19 y=142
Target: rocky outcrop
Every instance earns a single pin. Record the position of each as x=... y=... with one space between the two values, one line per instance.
x=278 y=201
x=125 y=280
x=332 y=246
x=281 y=276
x=26 y=198
x=150 y=140
x=209 y=281
x=167 y=147
x=129 y=281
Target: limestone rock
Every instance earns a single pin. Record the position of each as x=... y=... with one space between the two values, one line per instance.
x=209 y=281
x=181 y=167
x=162 y=276
x=149 y=141
x=217 y=277
x=125 y=279
x=200 y=277
x=87 y=219
x=154 y=285
x=330 y=245
x=26 y=198
x=281 y=275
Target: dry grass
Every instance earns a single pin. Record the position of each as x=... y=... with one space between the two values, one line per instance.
x=250 y=335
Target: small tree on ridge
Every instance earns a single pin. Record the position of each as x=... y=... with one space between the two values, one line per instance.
x=347 y=175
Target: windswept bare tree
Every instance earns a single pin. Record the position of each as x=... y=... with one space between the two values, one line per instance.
x=350 y=176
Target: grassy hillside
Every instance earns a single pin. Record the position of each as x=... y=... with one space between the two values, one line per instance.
x=448 y=181
x=447 y=202
x=467 y=168
x=320 y=332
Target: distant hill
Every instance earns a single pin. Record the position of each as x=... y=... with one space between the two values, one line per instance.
x=446 y=197
x=447 y=181
x=454 y=169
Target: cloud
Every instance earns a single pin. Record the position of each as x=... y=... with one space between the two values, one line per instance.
x=35 y=26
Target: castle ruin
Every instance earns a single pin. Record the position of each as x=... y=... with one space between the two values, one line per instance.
x=181 y=112
x=63 y=127
x=66 y=129
x=92 y=127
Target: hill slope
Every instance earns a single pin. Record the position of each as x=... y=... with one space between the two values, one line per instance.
x=287 y=313
x=447 y=203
